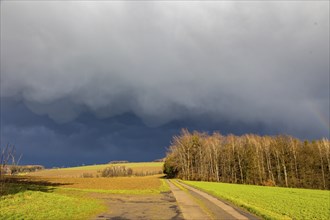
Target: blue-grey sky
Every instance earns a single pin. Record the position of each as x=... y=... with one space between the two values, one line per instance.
x=89 y=82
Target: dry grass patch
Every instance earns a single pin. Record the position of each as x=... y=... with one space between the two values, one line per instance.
x=61 y=173
x=70 y=178
x=116 y=183
x=138 y=169
x=136 y=183
x=147 y=170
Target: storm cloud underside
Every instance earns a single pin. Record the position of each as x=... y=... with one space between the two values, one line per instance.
x=168 y=64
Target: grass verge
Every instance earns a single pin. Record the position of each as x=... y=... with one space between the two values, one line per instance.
x=272 y=202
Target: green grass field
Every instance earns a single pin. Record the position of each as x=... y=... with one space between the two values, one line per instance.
x=272 y=202
x=44 y=202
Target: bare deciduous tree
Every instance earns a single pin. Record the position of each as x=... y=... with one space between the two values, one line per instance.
x=250 y=159
x=7 y=161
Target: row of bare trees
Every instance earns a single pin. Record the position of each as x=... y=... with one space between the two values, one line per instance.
x=250 y=159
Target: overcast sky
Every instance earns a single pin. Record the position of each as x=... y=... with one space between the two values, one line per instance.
x=89 y=82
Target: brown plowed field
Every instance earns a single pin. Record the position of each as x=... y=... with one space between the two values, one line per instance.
x=115 y=183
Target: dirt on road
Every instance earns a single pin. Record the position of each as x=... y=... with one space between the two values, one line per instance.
x=122 y=207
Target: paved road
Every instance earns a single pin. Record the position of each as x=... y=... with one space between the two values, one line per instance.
x=140 y=207
x=197 y=205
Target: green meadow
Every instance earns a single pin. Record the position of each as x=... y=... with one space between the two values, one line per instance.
x=45 y=202
x=272 y=202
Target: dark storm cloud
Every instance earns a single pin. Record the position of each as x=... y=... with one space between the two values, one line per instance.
x=242 y=64
x=89 y=140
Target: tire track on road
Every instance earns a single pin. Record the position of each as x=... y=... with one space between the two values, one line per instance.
x=196 y=204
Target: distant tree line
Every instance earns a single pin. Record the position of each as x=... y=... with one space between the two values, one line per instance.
x=118 y=161
x=250 y=159
x=15 y=169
